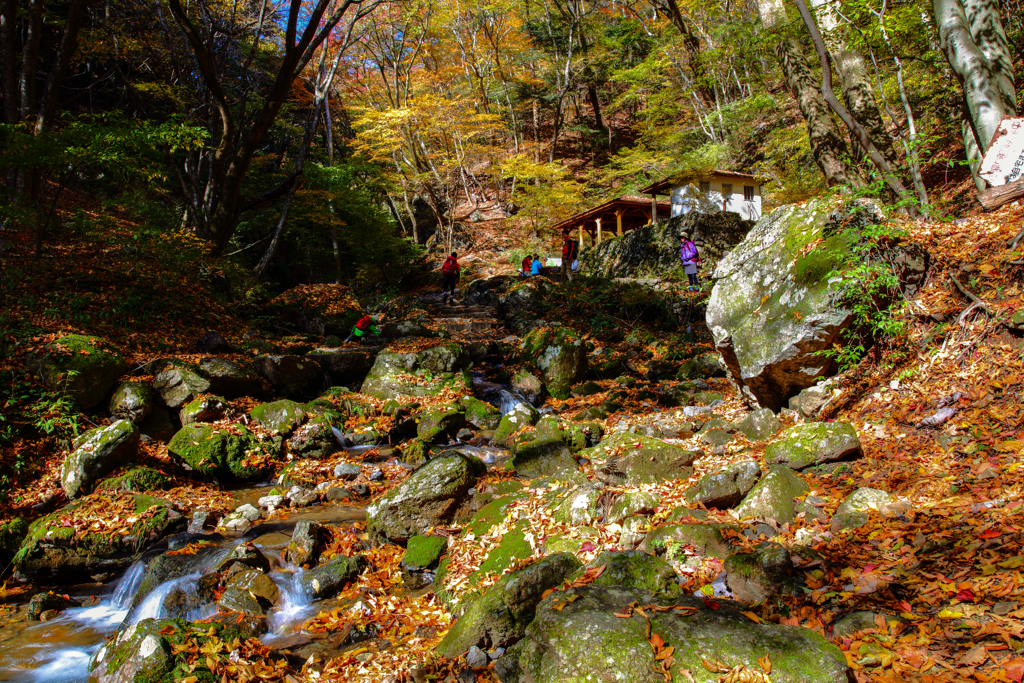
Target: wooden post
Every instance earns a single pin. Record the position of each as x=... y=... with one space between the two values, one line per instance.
x=598 y=221
x=618 y=222
x=581 y=235
x=654 y=208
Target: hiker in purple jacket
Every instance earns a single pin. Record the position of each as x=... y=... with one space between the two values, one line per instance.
x=690 y=258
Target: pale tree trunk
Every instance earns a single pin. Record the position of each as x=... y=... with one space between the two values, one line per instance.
x=973 y=38
x=827 y=144
x=853 y=78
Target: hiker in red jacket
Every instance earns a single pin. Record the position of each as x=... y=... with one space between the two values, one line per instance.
x=570 y=251
x=366 y=324
x=450 y=274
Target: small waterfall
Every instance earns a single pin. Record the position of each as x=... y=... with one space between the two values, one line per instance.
x=294 y=605
x=507 y=401
x=174 y=598
x=128 y=585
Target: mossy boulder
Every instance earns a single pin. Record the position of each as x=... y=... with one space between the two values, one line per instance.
x=704 y=366
x=12 y=533
x=854 y=510
x=54 y=552
x=814 y=443
x=574 y=435
x=431 y=496
x=774 y=496
x=422 y=373
x=49 y=602
x=522 y=415
x=423 y=551
x=179 y=383
x=439 y=425
x=726 y=487
x=305 y=544
x=414 y=452
x=761 y=575
x=156 y=651
x=480 y=414
x=314 y=440
x=231 y=452
x=561 y=357
x=631 y=459
x=137 y=480
x=638 y=570
x=97 y=452
x=759 y=425
x=205 y=409
x=85 y=367
x=131 y=401
x=331 y=577
x=677 y=542
x=541 y=457
x=281 y=416
x=631 y=503
x=578 y=507
x=501 y=614
x=230 y=378
x=576 y=635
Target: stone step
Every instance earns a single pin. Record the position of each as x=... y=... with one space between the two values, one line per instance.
x=466 y=324
x=468 y=312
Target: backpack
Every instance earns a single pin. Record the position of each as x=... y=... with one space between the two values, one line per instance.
x=689 y=251
x=450 y=266
x=364 y=322
x=573 y=246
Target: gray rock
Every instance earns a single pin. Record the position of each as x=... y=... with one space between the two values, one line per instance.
x=770 y=352
x=637 y=570
x=47 y=602
x=132 y=401
x=83 y=367
x=852 y=623
x=476 y=658
x=672 y=540
x=314 y=440
x=139 y=652
x=480 y=414
x=200 y=518
x=430 y=497
x=345 y=366
x=529 y=386
x=290 y=375
x=521 y=415
x=541 y=457
x=809 y=402
x=229 y=378
x=423 y=373
x=761 y=575
x=406 y=328
x=632 y=503
x=759 y=425
x=213 y=342
x=704 y=366
x=439 y=426
x=206 y=409
x=180 y=383
x=98 y=452
x=346 y=471
x=814 y=443
x=280 y=416
x=726 y=487
x=330 y=578
x=774 y=496
x=272 y=502
x=504 y=610
x=576 y=636
x=304 y=547
x=249 y=512
x=853 y=511
x=639 y=460
x=561 y=357
x=299 y=497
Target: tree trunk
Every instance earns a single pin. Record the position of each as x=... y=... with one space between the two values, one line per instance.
x=975 y=43
x=827 y=144
x=860 y=100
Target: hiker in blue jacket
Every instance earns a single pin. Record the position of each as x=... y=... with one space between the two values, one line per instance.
x=690 y=258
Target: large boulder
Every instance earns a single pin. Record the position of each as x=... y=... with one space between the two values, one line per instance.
x=501 y=614
x=521 y=415
x=63 y=547
x=632 y=459
x=97 y=452
x=480 y=414
x=229 y=378
x=561 y=357
x=430 y=497
x=132 y=401
x=314 y=440
x=205 y=409
x=653 y=250
x=321 y=309
x=281 y=417
x=774 y=496
x=422 y=373
x=85 y=367
x=345 y=366
x=814 y=443
x=854 y=510
x=541 y=457
x=328 y=579
x=578 y=634
x=290 y=375
x=231 y=452
x=726 y=487
x=179 y=383
x=774 y=308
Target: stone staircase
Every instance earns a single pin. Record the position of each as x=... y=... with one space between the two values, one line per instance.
x=461 y=318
